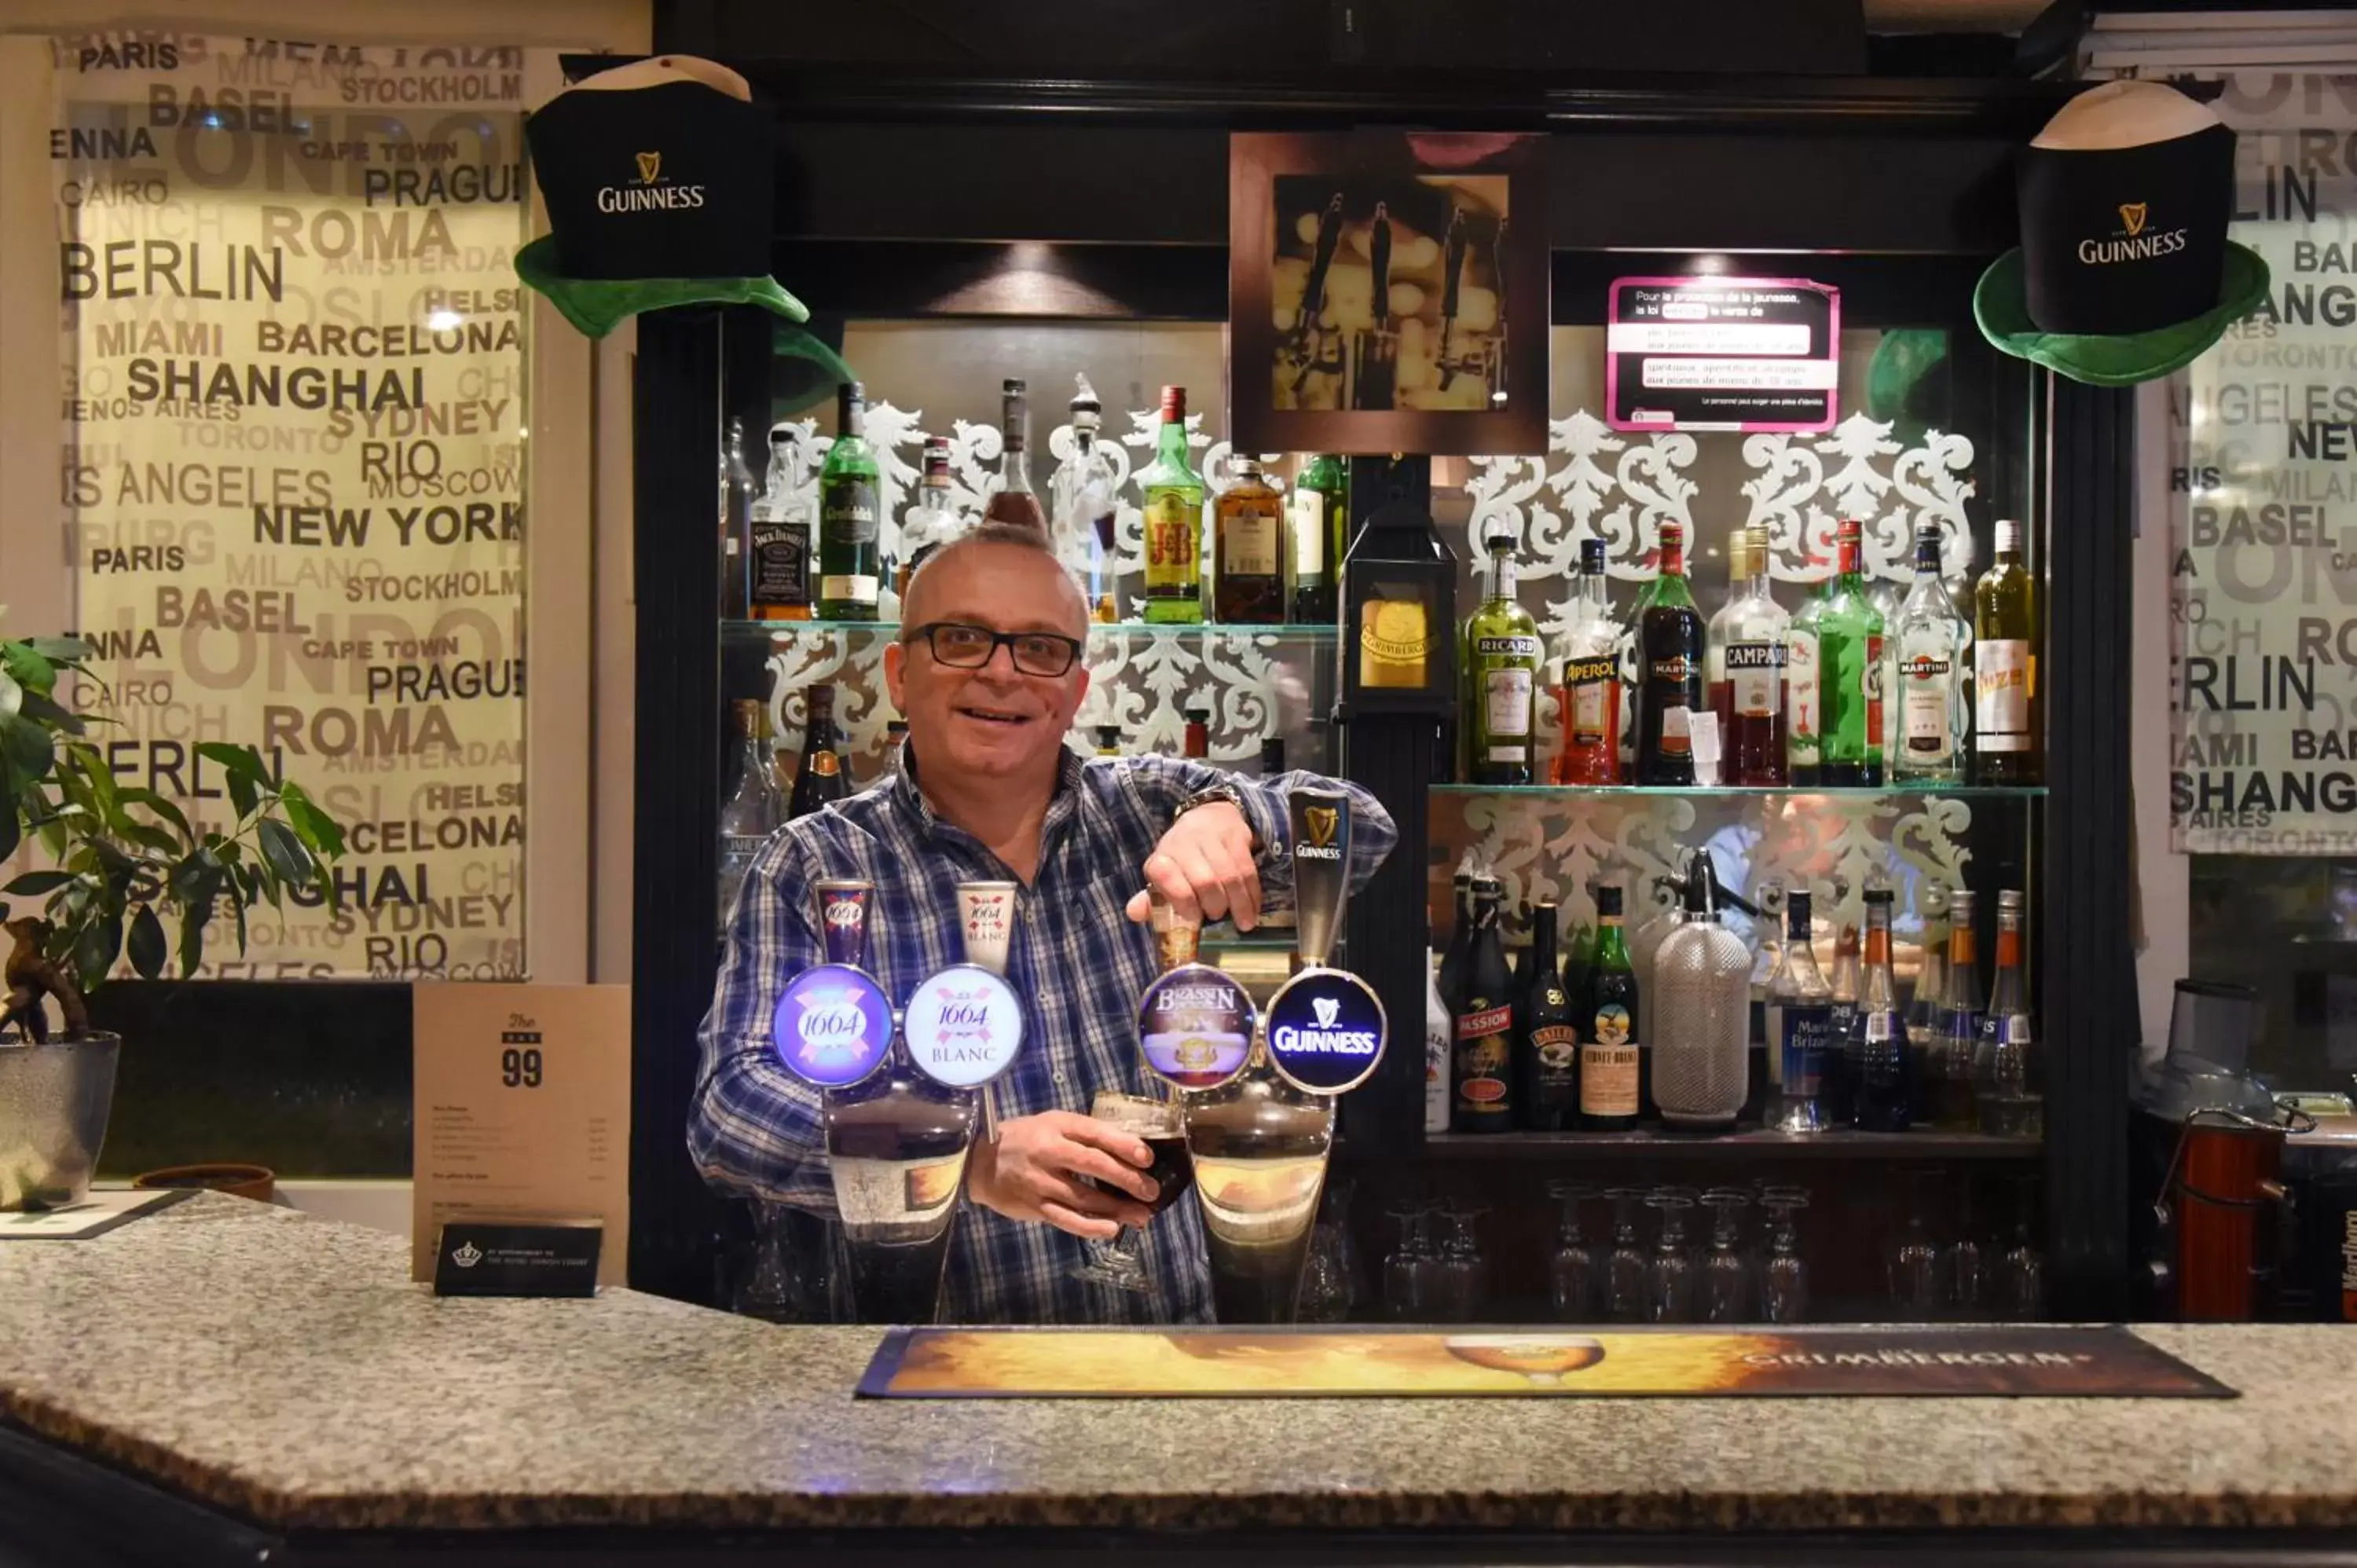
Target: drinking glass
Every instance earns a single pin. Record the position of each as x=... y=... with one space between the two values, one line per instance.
x=1120 y=1264
x=2021 y=1272
x=1915 y=1284
x=1968 y=1260
x=1329 y=1281
x=1624 y=1267
x=1669 y=1277
x=1571 y=1272
x=1399 y=1293
x=1464 y=1271
x=1784 y=1281
x=1726 y=1276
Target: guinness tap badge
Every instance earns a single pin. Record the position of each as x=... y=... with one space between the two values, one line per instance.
x=2124 y=271
x=1320 y=823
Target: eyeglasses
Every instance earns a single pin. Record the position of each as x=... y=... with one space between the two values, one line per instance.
x=962 y=646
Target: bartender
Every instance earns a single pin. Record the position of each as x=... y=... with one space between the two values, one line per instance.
x=988 y=671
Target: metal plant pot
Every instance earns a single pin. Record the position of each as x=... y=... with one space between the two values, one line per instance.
x=54 y=1100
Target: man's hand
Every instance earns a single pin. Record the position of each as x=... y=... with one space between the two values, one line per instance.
x=1034 y=1172
x=1204 y=867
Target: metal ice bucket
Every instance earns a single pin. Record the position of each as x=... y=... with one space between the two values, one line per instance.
x=53 y=1103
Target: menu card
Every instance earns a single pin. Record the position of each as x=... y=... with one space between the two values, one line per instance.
x=522 y=1111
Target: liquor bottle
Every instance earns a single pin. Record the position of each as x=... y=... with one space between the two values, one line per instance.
x=754 y=809
x=779 y=573
x=1804 y=686
x=1611 y=1060
x=1547 y=1035
x=738 y=494
x=1248 y=534
x=1699 y=1011
x=1173 y=497
x=1086 y=507
x=1319 y=516
x=1763 y=1074
x=1460 y=942
x=2005 y=667
x=1800 y=1021
x=1484 y=1024
x=1198 y=743
x=1849 y=643
x=1837 y=1076
x=1670 y=660
x=1878 y=1031
x=933 y=520
x=1589 y=702
x=1751 y=648
x=821 y=779
x=1501 y=664
x=1438 y=1036
x=1959 y=1026
x=1108 y=740
x=1015 y=501
x=1272 y=756
x=1928 y=720
x=2002 y=1090
x=849 y=503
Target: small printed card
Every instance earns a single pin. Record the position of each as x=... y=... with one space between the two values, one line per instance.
x=475 y=1259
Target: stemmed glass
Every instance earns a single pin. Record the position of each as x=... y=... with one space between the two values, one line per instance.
x=1784 y=1281
x=1968 y=1260
x=1571 y=1272
x=1726 y=1276
x=1624 y=1267
x=2021 y=1271
x=1915 y=1264
x=1669 y=1278
x=1464 y=1271
x=1159 y=1124
x=1402 y=1292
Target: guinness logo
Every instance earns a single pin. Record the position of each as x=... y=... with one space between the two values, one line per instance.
x=1321 y=821
x=2132 y=217
x=650 y=168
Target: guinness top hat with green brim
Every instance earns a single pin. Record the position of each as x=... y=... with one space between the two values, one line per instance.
x=2124 y=272
x=656 y=177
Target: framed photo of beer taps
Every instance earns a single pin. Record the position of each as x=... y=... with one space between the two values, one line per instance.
x=1387 y=293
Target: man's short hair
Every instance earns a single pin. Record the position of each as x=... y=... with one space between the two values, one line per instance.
x=1001 y=530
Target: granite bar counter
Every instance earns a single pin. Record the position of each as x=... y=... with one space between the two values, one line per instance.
x=226 y=1361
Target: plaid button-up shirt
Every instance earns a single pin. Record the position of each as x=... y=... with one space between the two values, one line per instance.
x=1076 y=959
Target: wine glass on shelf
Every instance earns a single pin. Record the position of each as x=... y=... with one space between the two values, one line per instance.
x=1669 y=1277
x=1571 y=1272
x=1403 y=1298
x=2021 y=1272
x=1915 y=1284
x=1464 y=1271
x=1624 y=1266
x=1968 y=1260
x=1726 y=1275
x=1784 y=1280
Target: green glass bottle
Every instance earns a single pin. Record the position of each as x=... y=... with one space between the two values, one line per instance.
x=1849 y=638
x=1613 y=1070
x=850 y=557
x=1173 y=494
x=1319 y=515
x=1500 y=658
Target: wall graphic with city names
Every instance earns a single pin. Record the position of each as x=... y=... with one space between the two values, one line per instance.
x=2264 y=547
x=291 y=469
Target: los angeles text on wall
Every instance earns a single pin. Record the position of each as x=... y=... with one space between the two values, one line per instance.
x=2264 y=557
x=292 y=470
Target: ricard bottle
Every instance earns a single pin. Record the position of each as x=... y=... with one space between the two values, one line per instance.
x=1501 y=661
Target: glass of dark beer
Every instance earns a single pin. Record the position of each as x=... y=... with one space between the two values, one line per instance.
x=1120 y=1263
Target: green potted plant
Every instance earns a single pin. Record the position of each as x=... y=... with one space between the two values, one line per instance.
x=121 y=863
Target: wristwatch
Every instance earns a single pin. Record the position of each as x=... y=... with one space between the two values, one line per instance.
x=1219 y=792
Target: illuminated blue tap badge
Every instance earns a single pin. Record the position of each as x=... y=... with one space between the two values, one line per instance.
x=964 y=1026
x=833 y=1025
x=1326 y=1030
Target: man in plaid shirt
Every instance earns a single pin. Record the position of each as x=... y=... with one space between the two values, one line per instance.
x=988 y=671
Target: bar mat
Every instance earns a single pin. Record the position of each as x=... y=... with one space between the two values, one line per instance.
x=93 y=1216
x=1506 y=1362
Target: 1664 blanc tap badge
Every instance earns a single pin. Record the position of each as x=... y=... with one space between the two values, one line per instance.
x=1195 y=1027
x=1326 y=1029
x=964 y=1026
x=833 y=1025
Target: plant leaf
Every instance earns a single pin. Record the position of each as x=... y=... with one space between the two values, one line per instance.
x=148 y=837
x=112 y=857
x=33 y=884
x=95 y=952
x=30 y=748
x=147 y=945
x=12 y=696
x=62 y=649
x=285 y=852
x=30 y=670
x=42 y=710
x=90 y=765
x=162 y=808
x=244 y=794
x=242 y=761
x=10 y=833
x=319 y=831
x=192 y=939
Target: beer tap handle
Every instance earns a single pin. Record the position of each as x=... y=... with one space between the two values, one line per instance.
x=1321 y=848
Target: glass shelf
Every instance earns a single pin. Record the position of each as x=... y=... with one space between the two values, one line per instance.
x=1740 y=791
x=1290 y=631
x=1843 y=1144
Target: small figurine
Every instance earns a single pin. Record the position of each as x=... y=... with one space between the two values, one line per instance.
x=31 y=975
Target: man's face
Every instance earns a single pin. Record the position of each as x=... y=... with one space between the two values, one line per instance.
x=996 y=722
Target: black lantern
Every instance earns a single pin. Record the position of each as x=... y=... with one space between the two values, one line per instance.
x=1398 y=643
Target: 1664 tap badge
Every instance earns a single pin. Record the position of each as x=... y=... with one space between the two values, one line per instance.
x=833 y=1025
x=1326 y=1029
x=964 y=1026
x=1195 y=1027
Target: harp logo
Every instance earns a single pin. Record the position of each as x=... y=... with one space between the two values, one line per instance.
x=1320 y=823
x=651 y=169
x=2132 y=216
